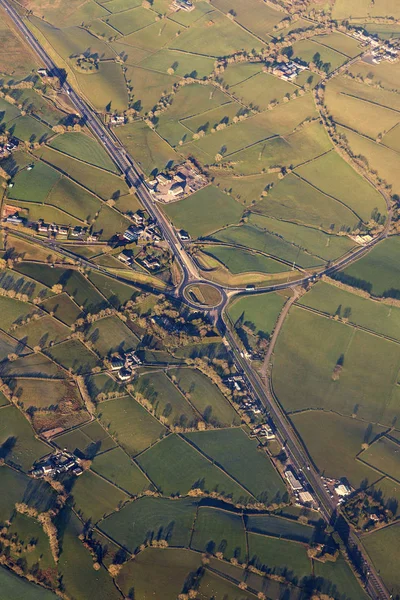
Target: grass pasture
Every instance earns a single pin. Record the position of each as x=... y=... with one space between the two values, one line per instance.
x=249 y=467
x=175 y=467
x=293 y=199
x=73 y=200
x=339 y=580
x=250 y=237
x=308 y=50
x=74 y=355
x=17 y=587
x=173 y=567
x=29 y=129
x=131 y=20
x=152 y=153
x=344 y=44
x=117 y=467
x=15 y=483
x=13 y=311
x=63 y=308
x=382 y=158
x=214 y=35
x=320 y=363
x=257 y=17
x=314 y=241
x=87 y=441
x=130 y=424
x=262 y=89
x=279 y=527
x=360 y=311
x=379 y=268
x=334 y=177
x=383 y=548
x=237 y=260
x=45 y=393
x=279 y=557
x=148 y=519
x=102 y=183
x=148 y=86
x=19 y=445
x=205 y=396
x=219 y=531
x=204 y=212
x=236 y=73
x=42 y=332
x=34 y=185
x=259 y=312
x=383 y=455
x=334 y=442
x=85 y=148
x=167 y=401
x=183 y=64
x=117 y=293
x=94 y=497
x=110 y=335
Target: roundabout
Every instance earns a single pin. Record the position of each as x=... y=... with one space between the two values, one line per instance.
x=200 y=294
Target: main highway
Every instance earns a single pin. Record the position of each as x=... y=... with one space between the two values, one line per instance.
x=285 y=432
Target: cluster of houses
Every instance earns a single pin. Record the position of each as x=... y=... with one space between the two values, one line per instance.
x=8 y=147
x=124 y=365
x=288 y=70
x=246 y=403
x=56 y=464
x=151 y=263
x=184 y=181
x=263 y=431
x=182 y=5
x=380 y=50
x=141 y=230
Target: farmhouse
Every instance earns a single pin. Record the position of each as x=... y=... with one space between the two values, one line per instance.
x=57 y=463
x=116 y=363
x=124 y=374
x=14 y=219
x=183 y=4
x=176 y=190
x=125 y=257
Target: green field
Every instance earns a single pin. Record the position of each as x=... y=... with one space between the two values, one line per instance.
x=166 y=400
x=86 y=441
x=117 y=467
x=151 y=152
x=117 y=293
x=205 y=396
x=262 y=89
x=129 y=423
x=334 y=441
x=238 y=261
x=334 y=177
x=259 y=312
x=176 y=468
x=204 y=212
x=174 y=568
x=42 y=332
x=342 y=43
x=19 y=446
x=383 y=455
x=383 y=548
x=219 y=531
x=34 y=185
x=339 y=580
x=94 y=497
x=256 y=16
x=246 y=465
x=320 y=363
x=74 y=200
x=372 y=315
x=293 y=199
x=214 y=35
x=28 y=129
x=279 y=527
x=13 y=311
x=380 y=269
x=148 y=519
x=76 y=563
x=310 y=51
x=17 y=588
x=63 y=308
x=15 y=483
x=85 y=148
x=183 y=64
x=98 y=181
x=247 y=236
x=74 y=355
x=110 y=335
x=279 y=557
